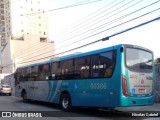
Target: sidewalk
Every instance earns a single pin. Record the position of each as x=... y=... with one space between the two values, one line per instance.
x=154 y=107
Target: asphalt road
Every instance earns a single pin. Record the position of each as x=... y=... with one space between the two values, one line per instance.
x=48 y=111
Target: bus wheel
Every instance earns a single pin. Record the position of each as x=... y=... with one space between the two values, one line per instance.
x=24 y=96
x=65 y=102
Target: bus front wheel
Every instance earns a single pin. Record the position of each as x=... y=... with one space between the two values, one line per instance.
x=65 y=102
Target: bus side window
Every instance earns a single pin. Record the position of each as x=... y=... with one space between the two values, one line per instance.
x=44 y=72
x=82 y=67
x=95 y=69
x=107 y=59
x=67 y=69
x=34 y=73
x=56 y=70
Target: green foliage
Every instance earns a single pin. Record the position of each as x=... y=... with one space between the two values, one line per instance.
x=157 y=60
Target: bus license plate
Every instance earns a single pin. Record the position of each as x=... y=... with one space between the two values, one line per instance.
x=141 y=90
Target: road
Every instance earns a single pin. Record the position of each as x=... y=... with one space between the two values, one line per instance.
x=13 y=104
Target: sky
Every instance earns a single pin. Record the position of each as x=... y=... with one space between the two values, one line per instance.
x=69 y=25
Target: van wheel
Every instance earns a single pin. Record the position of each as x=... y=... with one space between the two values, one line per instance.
x=65 y=102
x=24 y=96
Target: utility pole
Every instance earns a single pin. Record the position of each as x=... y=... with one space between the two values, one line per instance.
x=0 y=55
x=0 y=58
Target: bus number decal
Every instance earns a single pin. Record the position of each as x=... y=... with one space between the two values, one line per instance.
x=98 y=86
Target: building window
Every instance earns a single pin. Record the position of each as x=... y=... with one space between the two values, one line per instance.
x=43 y=39
x=2 y=17
x=3 y=29
x=2 y=6
x=2 y=11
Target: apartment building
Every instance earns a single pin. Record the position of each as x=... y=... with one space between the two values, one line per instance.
x=23 y=25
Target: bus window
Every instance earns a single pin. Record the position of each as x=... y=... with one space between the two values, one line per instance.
x=107 y=60
x=34 y=73
x=138 y=59
x=56 y=70
x=44 y=72
x=28 y=73
x=67 y=69
x=82 y=67
x=17 y=76
x=95 y=66
x=24 y=74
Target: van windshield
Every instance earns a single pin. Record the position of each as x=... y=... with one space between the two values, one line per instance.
x=138 y=58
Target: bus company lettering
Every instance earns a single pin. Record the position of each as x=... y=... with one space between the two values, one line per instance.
x=145 y=114
x=98 y=86
x=14 y=114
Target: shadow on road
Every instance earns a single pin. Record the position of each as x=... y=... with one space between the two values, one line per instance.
x=77 y=111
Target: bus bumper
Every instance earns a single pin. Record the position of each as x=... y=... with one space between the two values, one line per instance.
x=137 y=101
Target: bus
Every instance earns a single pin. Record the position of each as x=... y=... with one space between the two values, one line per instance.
x=116 y=76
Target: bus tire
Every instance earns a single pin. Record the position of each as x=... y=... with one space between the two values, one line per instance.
x=24 y=96
x=65 y=102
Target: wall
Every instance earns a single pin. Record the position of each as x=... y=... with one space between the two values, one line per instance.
x=21 y=52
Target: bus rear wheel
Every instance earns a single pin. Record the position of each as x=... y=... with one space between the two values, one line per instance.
x=65 y=102
x=24 y=96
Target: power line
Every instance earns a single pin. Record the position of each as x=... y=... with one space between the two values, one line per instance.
x=74 y=5
x=115 y=20
x=112 y=27
x=65 y=7
x=103 y=39
x=80 y=33
x=35 y=47
x=111 y=11
x=93 y=13
x=88 y=20
x=95 y=22
x=109 y=28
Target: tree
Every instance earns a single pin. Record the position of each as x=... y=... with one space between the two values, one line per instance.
x=157 y=60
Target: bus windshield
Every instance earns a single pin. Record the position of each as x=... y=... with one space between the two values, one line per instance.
x=138 y=59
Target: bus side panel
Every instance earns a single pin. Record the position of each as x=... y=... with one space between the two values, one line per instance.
x=115 y=92
x=92 y=92
x=57 y=87
x=41 y=90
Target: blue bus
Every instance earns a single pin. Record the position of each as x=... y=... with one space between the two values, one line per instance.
x=117 y=76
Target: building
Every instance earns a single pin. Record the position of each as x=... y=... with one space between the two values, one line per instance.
x=23 y=25
x=32 y=49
